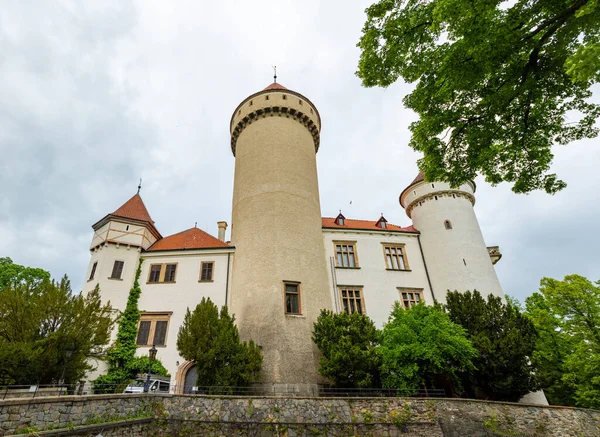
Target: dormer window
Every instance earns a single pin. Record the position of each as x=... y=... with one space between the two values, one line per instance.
x=340 y=220
x=382 y=222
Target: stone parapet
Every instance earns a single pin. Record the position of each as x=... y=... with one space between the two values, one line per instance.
x=185 y=415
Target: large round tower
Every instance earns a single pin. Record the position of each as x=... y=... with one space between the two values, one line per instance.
x=279 y=276
x=455 y=253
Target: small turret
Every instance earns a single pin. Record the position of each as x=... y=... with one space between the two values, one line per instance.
x=118 y=239
x=453 y=246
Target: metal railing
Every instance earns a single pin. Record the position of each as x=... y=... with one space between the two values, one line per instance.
x=279 y=390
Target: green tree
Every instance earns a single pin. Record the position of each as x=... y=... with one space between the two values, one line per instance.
x=568 y=314
x=211 y=339
x=505 y=339
x=494 y=82
x=40 y=322
x=14 y=274
x=422 y=347
x=349 y=344
x=123 y=365
x=553 y=348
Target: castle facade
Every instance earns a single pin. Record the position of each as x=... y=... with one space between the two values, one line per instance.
x=284 y=261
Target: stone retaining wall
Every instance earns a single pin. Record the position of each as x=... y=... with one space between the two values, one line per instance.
x=181 y=415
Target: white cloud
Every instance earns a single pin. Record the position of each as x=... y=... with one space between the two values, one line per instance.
x=97 y=94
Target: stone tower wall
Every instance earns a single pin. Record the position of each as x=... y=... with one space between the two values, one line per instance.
x=276 y=229
x=457 y=258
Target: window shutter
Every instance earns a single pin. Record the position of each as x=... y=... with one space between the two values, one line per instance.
x=160 y=333
x=143 y=332
x=117 y=270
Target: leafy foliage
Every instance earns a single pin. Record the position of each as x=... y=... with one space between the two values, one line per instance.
x=12 y=274
x=123 y=365
x=505 y=339
x=40 y=321
x=422 y=346
x=349 y=347
x=552 y=350
x=496 y=82
x=117 y=379
x=124 y=348
x=567 y=314
x=212 y=340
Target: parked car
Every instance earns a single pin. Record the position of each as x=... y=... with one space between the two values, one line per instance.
x=158 y=384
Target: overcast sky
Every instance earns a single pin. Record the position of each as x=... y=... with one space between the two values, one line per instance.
x=95 y=94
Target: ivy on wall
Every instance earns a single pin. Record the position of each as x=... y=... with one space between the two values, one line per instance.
x=123 y=365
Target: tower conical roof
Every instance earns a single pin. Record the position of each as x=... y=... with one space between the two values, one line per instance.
x=134 y=209
x=275 y=86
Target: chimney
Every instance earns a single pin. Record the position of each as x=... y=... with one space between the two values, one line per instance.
x=222 y=228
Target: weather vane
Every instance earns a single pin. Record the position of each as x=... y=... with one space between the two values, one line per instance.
x=140 y=186
x=274 y=73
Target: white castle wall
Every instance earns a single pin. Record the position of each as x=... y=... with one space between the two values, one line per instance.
x=380 y=286
x=113 y=290
x=457 y=258
x=185 y=292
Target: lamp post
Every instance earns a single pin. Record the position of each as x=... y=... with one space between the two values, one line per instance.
x=68 y=354
x=152 y=356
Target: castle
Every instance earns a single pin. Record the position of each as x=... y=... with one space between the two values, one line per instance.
x=285 y=262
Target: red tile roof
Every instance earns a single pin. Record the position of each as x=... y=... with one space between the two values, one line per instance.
x=329 y=223
x=275 y=86
x=135 y=209
x=420 y=177
x=193 y=238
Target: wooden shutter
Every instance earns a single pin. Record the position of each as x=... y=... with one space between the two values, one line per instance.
x=143 y=332
x=160 y=333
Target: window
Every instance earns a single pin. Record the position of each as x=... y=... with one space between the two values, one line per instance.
x=395 y=257
x=345 y=254
x=152 y=329
x=410 y=297
x=170 y=272
x=117 y=270
x=292 y=298
x=284 y=97
x=300 y=102
x=250 y=103
x=447 y=224
x=206 y=271
x=266 y=97
x=93 y=271
x=155 y=273
x=352 y=300
x=339 y=220
x=162 y=273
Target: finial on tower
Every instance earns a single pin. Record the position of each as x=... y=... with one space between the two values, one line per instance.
x=140 y=186
x=274 y=73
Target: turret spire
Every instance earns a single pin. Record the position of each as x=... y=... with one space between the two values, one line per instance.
x=275 y=74
x=139 y=186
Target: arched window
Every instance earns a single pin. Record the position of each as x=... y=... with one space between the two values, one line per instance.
x=447 y=224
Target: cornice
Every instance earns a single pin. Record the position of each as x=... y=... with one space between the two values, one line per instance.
x=440 y=193
x=280 y=111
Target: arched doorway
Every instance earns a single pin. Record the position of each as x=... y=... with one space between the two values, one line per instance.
x=190 y=380
x=186 y=377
